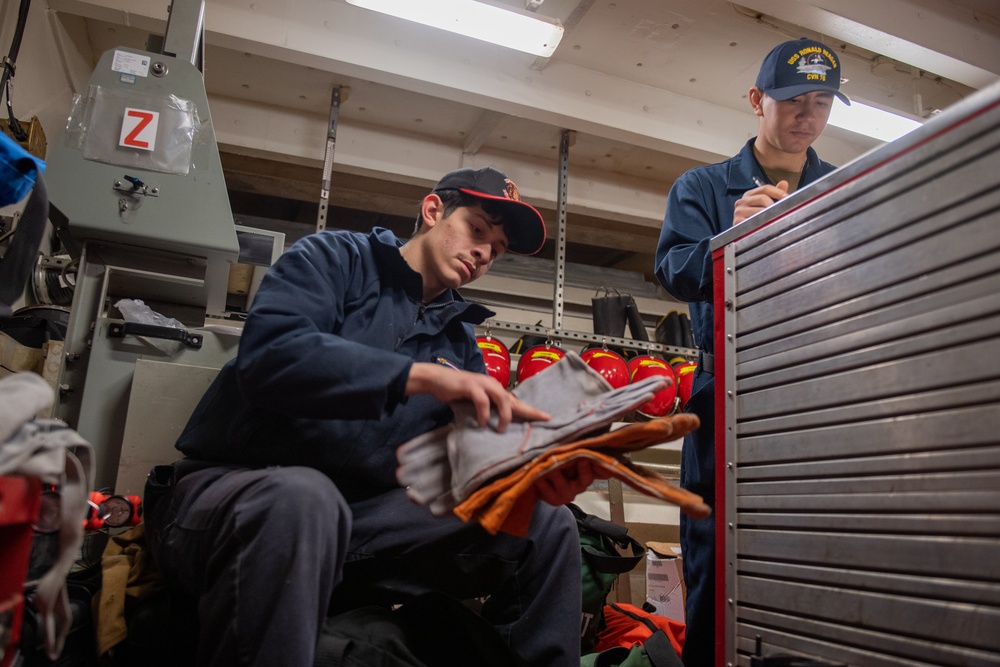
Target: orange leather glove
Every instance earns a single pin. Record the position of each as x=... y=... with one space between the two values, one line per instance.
x=507 y=502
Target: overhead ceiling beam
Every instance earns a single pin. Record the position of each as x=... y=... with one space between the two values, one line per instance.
x=956 y=40
x=273 y=178
x=416 y=160
x=481 y=133
x=333 y=36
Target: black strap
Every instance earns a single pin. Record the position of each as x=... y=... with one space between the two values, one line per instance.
x=706 y=363
x=17 y=264
x=657 y=647
x=613 y=564
x=660 y=651
x=603 y=562
x=635 y=617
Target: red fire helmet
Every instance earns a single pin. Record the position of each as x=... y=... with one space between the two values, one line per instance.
x=537 y=359
x=685 y=377
x=496 y=357
x=608 y=363
x=664 y=402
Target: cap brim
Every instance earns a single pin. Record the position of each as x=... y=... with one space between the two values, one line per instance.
x=787 y=93
x=523 y=224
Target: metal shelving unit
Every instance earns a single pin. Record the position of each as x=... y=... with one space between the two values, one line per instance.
x=556 y=333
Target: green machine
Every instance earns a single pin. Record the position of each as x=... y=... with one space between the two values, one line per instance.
x=138 y=197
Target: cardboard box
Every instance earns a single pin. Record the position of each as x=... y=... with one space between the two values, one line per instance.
x=665 y=579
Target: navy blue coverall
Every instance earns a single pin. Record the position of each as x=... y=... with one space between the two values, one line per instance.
x=300 y=432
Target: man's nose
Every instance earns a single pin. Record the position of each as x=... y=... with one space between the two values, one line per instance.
x=481 y=251
x=809 y=111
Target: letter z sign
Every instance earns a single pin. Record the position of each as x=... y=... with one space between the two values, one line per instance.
x=139 y=129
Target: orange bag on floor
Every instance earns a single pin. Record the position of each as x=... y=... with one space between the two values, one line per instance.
x=627 y=625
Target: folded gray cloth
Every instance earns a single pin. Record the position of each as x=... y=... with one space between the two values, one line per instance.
x=443 y=467
x=579 y=400
x=425 y=472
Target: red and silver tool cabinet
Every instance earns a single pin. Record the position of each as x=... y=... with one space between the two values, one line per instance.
x=858 y=406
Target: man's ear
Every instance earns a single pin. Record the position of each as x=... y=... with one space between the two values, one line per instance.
x=431 y=210
x=756 y=97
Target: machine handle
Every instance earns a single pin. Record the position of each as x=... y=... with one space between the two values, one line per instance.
x=120 y=330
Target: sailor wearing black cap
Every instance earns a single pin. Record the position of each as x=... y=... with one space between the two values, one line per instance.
x=287 y=501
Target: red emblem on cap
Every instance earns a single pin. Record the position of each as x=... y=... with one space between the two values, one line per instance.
x=511 y=190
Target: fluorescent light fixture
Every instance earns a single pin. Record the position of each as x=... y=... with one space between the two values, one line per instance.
x=870 y=121
x=506 y=26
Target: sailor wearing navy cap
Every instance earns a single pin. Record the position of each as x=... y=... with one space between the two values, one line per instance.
x=792 y=98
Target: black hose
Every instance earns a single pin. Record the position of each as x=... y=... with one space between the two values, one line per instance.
x=8 y=70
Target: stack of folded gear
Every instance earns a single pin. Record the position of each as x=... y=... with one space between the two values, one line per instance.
x=489 y=477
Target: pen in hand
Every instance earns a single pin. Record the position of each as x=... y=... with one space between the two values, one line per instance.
x=758 y=181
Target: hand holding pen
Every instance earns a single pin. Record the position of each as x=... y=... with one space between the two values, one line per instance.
x=756 y=200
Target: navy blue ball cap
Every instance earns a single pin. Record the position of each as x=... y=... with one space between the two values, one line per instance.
x=523 y=225
x=799 y=67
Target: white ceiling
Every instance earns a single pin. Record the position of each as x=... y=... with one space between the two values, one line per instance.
x=648 y=88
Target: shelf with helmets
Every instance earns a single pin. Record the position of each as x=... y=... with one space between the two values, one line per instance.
x=536 y=350
x=566 y=338
x=646 y=321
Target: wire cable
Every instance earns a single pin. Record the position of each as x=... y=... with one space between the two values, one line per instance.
x=8 y=71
